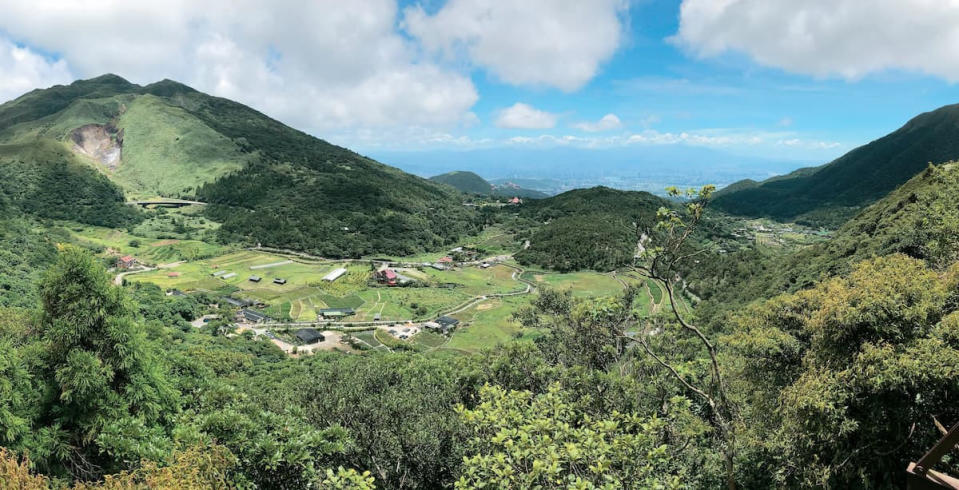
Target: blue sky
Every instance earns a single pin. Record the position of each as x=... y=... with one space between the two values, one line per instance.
x=782 y=80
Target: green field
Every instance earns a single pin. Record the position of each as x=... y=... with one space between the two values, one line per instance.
x=483 y=324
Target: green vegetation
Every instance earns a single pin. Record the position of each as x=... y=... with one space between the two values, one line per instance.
x=588 y=229
x=168 y=152
x=467 y=182
x=167 y=139
x=715 y=352
x=470 y=183
x=44 y=179
x=831 y=194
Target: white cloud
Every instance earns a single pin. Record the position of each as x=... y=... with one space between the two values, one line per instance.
x=524 y=116
x=530 y=42
x=22 y=70
x=316 y=65
x=606 y=123
x=846 y=38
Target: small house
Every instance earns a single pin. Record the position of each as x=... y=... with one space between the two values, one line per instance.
x=309 y=335
x=515 y=201
x=328 y=313
x=126 y=262
x=255 y=279
x=279 y=281
x=445 y=260
x=485 y=265
x=386 y=276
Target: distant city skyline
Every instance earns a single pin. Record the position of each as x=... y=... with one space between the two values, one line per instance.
x=763 y=79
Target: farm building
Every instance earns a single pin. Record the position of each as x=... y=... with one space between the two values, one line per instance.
x=238 y=303
x=228 y=276
x=126 y=262
x=219 y=273
x=327 y=313
x=443 y=324
x=309 y=335
x=334 y=274
x=255 y=279
x=279 y=281
x=447 y=321
x=173 y=275
x=445 y=260
x=253 y=316
x=386 y=276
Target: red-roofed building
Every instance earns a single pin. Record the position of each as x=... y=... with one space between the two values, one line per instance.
x=516 y=200
x=386 y=276
x=446 y=260
x=126 y=262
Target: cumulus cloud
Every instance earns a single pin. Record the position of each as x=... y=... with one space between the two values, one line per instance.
x=531 y=42
x=317 y=65
x=22 y=70
x=605 y=123
x=524 y=116
x=845 y=38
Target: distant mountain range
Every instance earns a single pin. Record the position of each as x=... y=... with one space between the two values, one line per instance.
x=472 y=183
x=832 y=193
x=649 y=168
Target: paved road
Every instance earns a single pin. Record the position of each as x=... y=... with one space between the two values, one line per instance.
x=166 y=202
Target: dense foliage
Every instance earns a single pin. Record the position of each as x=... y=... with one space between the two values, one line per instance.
x=467 y=182
x=595 y=228
x=830 y=194
x=470 y=183
x=44 y=179
x=920 y=219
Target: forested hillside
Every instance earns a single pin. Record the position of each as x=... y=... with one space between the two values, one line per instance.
x=44 y=179
x=166 y=139
x=920 y=220
x=471 y=183
x=830 y=194
x=594 y=228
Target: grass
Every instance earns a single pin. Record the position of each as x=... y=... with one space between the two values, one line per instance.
x=167 y=151
x=583 y=284
x=111 y=241
x=487 y=324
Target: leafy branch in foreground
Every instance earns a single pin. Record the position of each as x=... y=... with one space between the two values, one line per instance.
x=676 y=227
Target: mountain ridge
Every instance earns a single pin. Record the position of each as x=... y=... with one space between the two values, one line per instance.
x=834 y=192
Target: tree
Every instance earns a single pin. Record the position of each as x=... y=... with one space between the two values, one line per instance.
x=521 y=440
x=675 y=230
x=846 y=382
x=109 y=394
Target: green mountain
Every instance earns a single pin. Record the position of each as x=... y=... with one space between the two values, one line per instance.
x=266 y=182
x=919 y=219
x=471 y=183
x=592 y=228
x=832 y=193
x=467 y=182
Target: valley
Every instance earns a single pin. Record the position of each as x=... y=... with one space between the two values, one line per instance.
x=186 y=281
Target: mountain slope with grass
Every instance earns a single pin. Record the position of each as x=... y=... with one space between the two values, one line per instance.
x=832 y=193
x=266 y=182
